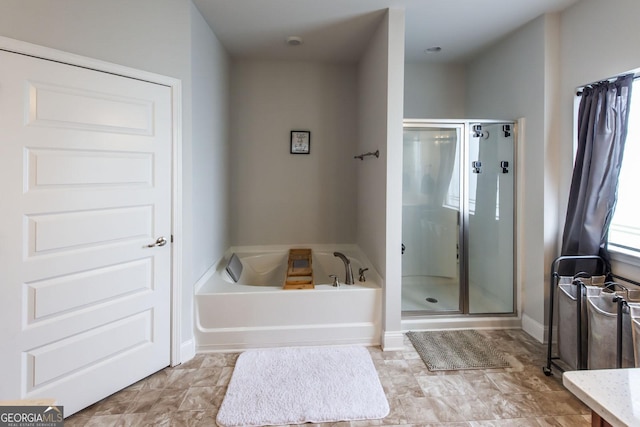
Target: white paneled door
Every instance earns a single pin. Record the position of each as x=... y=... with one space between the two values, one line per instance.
x=85 y=173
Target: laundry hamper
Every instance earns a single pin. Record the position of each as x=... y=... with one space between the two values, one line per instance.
x=570 y=277
x=603 y=311
x=569 y=290
x=634 y=309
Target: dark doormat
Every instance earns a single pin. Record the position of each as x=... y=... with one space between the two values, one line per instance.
x=453 y=350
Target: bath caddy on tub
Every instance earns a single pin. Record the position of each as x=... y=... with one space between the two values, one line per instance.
x=299 y=270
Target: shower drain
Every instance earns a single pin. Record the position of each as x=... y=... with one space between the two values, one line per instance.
x=433 y=300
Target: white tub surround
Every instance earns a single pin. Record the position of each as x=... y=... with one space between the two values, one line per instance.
x=258 y=312
x=612 y=394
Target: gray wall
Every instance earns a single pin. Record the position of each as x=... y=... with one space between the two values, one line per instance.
x=159 y=36
x=283 y=198
x=434 y=91
x=508 y=81
x=380 y=101
x=151 y=35
x=209 y=170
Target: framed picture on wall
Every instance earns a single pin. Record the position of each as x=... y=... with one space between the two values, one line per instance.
x=300 y=142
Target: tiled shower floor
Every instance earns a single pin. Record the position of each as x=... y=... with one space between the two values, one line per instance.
x=445 y=291
x=190 y=394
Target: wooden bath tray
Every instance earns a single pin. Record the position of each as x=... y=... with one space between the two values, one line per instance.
x=299 y=270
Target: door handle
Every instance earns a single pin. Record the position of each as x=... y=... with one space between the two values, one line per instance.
x=161 y=241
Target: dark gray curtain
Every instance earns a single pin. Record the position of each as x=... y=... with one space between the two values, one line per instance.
x=602 y=130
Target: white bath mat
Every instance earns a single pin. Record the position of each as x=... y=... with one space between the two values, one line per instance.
x=295 y=385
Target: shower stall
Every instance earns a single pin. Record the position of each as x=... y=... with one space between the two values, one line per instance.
x=458 y=211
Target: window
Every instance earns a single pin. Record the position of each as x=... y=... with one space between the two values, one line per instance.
x=624 y=232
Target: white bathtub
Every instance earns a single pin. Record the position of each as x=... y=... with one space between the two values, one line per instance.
x=257 y=312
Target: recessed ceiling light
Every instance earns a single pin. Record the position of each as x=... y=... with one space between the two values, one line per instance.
x=294 y=40
x=433 y=49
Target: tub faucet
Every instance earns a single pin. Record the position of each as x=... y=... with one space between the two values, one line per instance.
x=361 y=273
x=348 y=280
x=336 y=283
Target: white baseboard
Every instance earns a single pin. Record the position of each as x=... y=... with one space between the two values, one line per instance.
x=536 y=329
x=187 y=350
x=393 y=341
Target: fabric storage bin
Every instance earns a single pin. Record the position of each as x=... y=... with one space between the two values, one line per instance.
x=631 y=294
x=568 y=291
x=602 y=311
x=634 y=309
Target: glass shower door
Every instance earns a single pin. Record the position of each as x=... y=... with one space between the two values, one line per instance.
x=490 y=221
x=431 y=233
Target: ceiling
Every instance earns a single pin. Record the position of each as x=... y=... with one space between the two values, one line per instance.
x=339 y=30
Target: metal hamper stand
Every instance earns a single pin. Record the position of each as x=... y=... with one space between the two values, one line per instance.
x=600 y=268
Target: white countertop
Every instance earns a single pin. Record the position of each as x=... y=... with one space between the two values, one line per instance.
x=614 y=394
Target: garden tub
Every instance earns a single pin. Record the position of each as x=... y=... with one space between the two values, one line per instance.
x=257 y=312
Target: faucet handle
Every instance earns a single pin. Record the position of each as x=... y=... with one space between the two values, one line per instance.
x=361 y=273
x=336 y=284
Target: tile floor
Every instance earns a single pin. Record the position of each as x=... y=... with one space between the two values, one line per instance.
x=190 y=394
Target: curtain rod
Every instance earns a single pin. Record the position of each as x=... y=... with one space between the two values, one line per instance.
x=636 y=76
